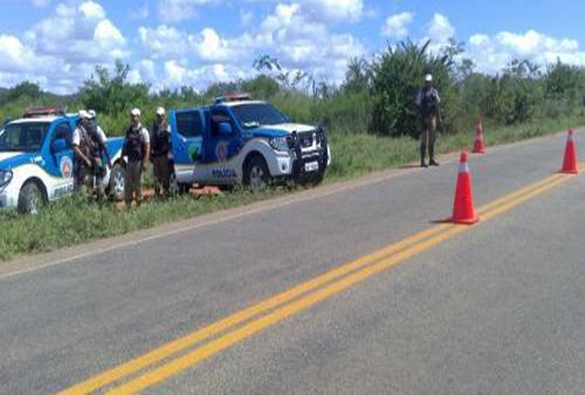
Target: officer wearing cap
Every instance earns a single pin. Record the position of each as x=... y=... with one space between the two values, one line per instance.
x=136 y=149
x=427 y=103
x=160 y=146
x=89 y=145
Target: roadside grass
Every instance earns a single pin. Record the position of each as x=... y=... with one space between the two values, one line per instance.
x=72 y=221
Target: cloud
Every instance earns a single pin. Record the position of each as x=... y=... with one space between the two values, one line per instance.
x=78 y=34
x=440 y=29
x=491 y=54
x=396 y=26
x=14 y=55
x=332 y=10
x=61 y=51
x=174 y=11
x=297 y=39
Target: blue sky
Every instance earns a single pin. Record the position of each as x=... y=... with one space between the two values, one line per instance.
x=171 y=43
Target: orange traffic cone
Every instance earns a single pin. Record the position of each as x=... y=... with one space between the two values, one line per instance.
x=570 y=161
x=478 y=146
x=463 y=211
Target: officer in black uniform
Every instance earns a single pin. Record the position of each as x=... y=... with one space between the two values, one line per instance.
x=160 y=146
x=427 y=102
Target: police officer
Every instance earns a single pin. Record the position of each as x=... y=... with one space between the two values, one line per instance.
x=89 y=145
x=160 y=146
x=427 y=102
x=136 y=149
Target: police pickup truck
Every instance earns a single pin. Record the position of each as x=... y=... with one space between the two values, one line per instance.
x=36 y=160
x=238 y=140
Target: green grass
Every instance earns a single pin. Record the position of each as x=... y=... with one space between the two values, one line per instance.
x=72 y=221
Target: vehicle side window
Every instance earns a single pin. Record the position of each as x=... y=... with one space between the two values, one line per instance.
x=63 y=131
x=189 y=123
x=217 y=116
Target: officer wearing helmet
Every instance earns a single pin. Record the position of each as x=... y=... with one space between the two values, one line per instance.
x=160 y=146
x=136 y=149
x=427 y=103
x=89 y=146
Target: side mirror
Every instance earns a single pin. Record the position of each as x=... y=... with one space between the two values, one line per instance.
x=225 y=128
x=59 y=145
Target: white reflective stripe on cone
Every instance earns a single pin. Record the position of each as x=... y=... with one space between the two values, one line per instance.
x=464 y=167
x=570 y=137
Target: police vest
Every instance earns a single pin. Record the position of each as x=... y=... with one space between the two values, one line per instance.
x=429 y=102
x=160 y=140
x=133 y=145
x=89 y=142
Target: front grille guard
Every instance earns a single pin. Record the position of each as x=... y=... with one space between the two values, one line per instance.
x=321 y=155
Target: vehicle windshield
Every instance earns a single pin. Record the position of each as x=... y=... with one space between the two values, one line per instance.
x=254 y=115
x=23 y=137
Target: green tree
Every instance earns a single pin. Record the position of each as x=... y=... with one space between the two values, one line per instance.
x=113 y=94
x=397 y=78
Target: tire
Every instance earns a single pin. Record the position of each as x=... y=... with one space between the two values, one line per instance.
x=31 y=199
x=316 y=179
x=117 y=182
x=256 y=175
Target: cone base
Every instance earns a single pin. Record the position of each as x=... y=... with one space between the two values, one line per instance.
x=464 y=221
x=478 y=151
x=569 y=171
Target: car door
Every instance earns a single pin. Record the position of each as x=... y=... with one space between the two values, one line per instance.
x=60 y=162
x=187 y=136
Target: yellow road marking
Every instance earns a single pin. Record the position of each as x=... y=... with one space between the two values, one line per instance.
x=192 y=358
x=182 y=344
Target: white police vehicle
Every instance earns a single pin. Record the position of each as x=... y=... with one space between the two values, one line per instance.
x=36 y=160
x=237 y=140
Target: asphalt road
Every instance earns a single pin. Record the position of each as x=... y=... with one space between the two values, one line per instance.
x=496 y=308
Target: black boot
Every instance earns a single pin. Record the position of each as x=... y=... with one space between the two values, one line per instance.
x=432 y=161
x=422 y=158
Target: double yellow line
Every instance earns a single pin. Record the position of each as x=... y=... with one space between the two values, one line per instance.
x=186 y=352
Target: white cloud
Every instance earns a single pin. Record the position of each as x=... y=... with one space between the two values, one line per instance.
x=174 y=11
x=440 y=29
x=491 y=54
x=91 y=10
x=14 y=56
x=78 y=34
x=333 y=10
x=396 y=26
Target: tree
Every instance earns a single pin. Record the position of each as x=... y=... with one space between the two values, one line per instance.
x=397 y=78
x=358 y=76
x=113 y=94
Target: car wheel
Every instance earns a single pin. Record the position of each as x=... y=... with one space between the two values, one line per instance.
x=117 y=182
x=31 y=199
x=257 y=175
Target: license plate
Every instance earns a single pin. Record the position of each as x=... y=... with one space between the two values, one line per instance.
x=311 y=166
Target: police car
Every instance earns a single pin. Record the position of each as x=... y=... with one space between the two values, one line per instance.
x=36 y=160
x=237 y=140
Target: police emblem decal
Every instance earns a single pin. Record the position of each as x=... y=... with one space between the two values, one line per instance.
x=66 y=167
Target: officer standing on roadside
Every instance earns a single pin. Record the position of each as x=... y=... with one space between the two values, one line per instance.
x=160 y=145
x=137 y=149
x=427 y=102
x=89 y=143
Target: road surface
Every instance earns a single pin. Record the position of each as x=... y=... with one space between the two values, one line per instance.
x=350 y=288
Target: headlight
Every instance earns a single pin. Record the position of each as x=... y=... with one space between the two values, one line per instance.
x=5 y=177
x=279 y=143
